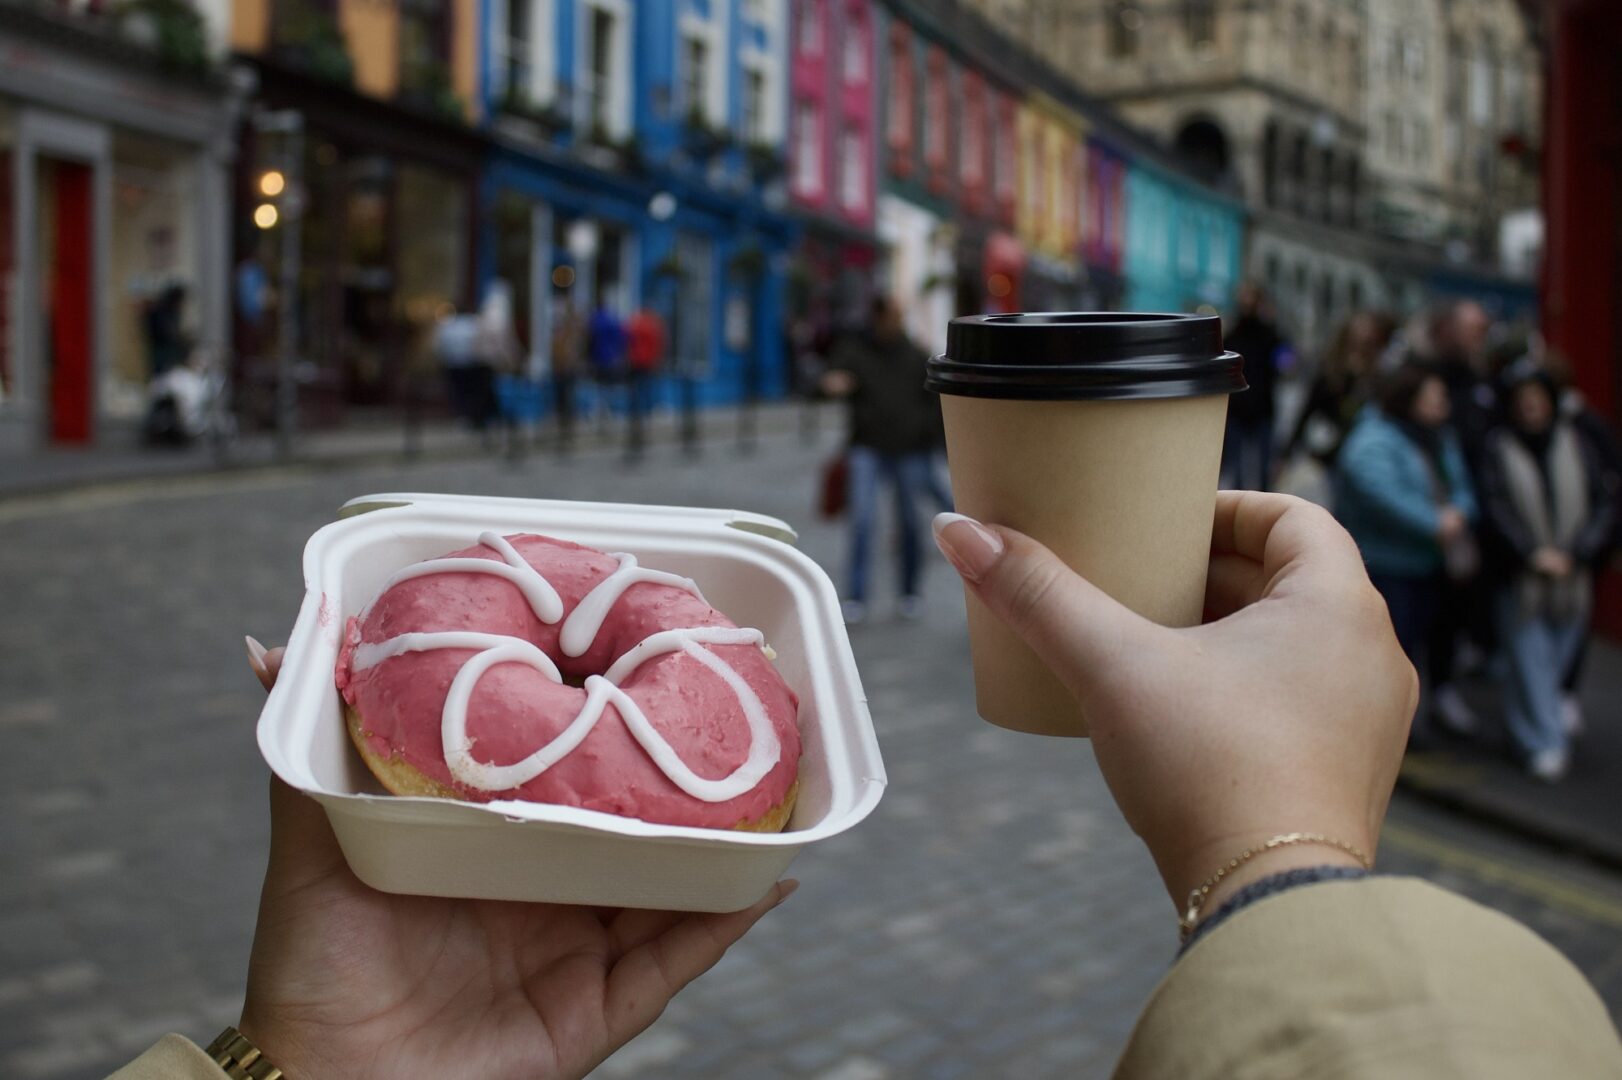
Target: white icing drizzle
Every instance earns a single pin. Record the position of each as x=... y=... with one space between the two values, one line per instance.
x=543 y=599
x=581 y=627
x=575 y=638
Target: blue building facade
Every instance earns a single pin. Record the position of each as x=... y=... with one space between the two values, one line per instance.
x=1183 y=242
x=638 y=164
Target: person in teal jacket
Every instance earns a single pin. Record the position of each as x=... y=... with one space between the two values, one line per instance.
x=1403 y=491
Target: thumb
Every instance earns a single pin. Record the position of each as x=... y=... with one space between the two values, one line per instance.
x=1077 y=630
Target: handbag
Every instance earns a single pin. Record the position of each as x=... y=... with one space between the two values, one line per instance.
x=834 y=487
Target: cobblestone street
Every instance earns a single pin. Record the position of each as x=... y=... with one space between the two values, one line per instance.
x=994 y=918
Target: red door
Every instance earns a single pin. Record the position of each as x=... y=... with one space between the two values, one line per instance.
x=69 y=305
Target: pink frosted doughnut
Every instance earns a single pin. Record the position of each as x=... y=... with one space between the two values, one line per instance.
x=482 y=682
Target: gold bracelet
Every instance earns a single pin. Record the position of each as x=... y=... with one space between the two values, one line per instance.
x=1197 y=897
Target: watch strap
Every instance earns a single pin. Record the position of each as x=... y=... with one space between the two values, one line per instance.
x=240 y=1058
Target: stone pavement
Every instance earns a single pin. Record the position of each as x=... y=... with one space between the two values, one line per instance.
x=993 y=918
x=376 y=438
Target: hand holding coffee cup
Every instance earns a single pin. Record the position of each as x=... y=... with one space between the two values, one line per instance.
x=1287 y=712
x=1099 y=435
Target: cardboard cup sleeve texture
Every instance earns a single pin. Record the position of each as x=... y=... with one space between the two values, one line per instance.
x=1099 y=435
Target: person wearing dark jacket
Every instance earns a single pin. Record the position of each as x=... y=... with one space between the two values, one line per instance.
x=1247 y=452
x=894 y=429
x=1548 y=515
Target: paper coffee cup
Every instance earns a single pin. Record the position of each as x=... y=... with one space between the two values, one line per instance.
x=1099 y=435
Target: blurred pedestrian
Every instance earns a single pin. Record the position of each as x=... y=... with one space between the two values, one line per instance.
x=568 y=358
x=894 y=423
x=497 y=353
x=456 y=345
x=644 y=356
x=1607 y=452
x=1459 y=336
x=164 y=326
x=1402 y=490
x=1338 y=393
x=605 y=346
x=1459 y=346
x=1549 y=516
x=1247 y=452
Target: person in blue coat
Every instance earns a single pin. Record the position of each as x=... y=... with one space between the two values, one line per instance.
x=1403 y=491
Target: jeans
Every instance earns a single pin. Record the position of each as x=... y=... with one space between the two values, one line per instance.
x=1539 y=651
x=1247 y=454
x=908 y=474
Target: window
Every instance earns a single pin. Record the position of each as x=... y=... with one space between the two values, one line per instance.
x=1216 y=253
x=853 y=55
x=973 y=149
x=900 y=118
x=807 y=149
x=597 y=81
x=754 y=105
x=1414 y=55
x=516 y=45
x=1481 y=95
x=1188 y=247
x=695 y=77
x=1199 y=22
x=424 y=46
x=694 y=300
x=851 y=173
x=1514 y=95
x=810 y=27
x=1125 y=20
x=935 y=110
x=1002 y=161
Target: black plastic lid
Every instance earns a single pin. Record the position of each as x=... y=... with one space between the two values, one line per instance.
x=1085 y=355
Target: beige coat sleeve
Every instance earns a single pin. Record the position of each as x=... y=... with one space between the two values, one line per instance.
x=1383 y=977
x=171 y=1058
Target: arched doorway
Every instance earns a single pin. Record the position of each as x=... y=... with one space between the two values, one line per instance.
x=1203 y=146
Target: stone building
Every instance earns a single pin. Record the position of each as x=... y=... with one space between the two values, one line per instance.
x=1369 y=138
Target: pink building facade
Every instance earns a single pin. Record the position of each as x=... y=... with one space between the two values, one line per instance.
x=831 y=168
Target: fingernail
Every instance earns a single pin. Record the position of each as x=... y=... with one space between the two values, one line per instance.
x=256 y=655
x=785 y=889
x=968 y=545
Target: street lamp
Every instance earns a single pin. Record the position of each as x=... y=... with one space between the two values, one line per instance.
x=282 y=182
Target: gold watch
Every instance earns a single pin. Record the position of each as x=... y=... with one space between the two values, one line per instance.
x=240 y=1058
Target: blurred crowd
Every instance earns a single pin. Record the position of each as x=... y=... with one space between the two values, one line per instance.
x=1480 y=487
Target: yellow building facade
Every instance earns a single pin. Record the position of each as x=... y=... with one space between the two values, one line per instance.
x=1051 y=152
x=372 y=37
